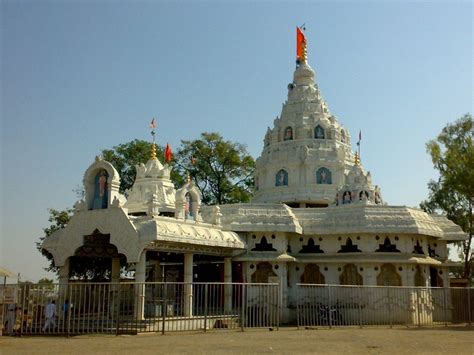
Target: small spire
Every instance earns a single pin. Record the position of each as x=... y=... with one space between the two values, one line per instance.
x=357 y=159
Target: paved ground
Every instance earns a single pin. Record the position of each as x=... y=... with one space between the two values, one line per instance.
x=450 y=340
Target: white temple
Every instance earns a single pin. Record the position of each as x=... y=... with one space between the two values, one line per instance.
x=316 y=217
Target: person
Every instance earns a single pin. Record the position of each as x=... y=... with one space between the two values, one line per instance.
x=10 y=321
x=50 y=315
x=66 y=307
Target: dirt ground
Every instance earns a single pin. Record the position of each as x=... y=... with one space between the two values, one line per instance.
x=450 y=340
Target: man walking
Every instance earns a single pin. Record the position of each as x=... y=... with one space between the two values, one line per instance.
x=50 y=315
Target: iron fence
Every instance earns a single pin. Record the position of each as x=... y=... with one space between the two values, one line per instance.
x=82 y=308
x=334 y=305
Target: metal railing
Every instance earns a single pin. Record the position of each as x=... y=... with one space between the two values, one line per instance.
x=333 y=305
x=81 y=308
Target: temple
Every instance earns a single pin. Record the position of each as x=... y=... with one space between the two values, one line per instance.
x=316 y=217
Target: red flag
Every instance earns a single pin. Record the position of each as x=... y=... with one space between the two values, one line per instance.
x=153 y=124
x=168 y=153
x=300 y=39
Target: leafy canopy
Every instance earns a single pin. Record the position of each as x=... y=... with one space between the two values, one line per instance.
x=223 y=170
x=452 y=153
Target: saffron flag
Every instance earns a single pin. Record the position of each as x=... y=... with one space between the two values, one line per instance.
x=153 y=124
x=300 y=39
x=168 y=153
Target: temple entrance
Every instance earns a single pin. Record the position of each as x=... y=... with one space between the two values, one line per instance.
x=93 y=261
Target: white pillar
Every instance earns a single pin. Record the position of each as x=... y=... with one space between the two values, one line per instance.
x=64 y=273
x=188 y=286
x=63 y=281
x=228 y=287
x=115 y=277
x=140 y=273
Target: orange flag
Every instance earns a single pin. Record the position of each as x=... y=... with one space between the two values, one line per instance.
x=300 y=39
x=168 y=153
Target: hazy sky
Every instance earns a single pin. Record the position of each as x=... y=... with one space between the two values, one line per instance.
x=81 y=76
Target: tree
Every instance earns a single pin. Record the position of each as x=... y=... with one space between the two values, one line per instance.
x=452 y=153
x=223 y=170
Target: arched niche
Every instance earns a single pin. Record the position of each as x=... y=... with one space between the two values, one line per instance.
x=101 y=185
x=319 y=132
x=281 y=178
x=263 y=273
x=288 y=134
x=350 y=276
x=188 y=202
x=420 y=280
x=388 y=276
x=312 y=275
x=343 y=136
x=323 y=176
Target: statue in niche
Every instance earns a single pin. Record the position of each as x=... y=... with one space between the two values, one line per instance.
x=100 y=190
x=363 y=195
x=281 y=178
x=288 y=136
x=346 y=197
x=188 y=206
x=319 y=132
x=323 y=176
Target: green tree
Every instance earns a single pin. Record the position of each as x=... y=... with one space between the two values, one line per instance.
x=223 y=170
x=58 y=220
x=452 y=153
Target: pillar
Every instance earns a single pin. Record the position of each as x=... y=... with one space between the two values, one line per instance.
x=228 y=284
x=63 y=281
x=188 y=285
x=140 y=274
x=115 y=277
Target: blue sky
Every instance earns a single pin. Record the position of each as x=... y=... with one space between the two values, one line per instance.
x=81 y=76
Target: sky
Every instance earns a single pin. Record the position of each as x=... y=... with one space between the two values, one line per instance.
x=81 y=76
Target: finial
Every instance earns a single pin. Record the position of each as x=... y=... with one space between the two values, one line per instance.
x=189 y=178
x=153 y=133
x=357 y=159
x=153 y=151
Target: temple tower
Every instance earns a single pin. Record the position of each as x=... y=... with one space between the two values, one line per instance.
x=307 y=152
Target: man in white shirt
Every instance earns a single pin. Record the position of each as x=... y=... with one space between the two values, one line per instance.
x=50 y=315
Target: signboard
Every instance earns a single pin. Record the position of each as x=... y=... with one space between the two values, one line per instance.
x=8 y=294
